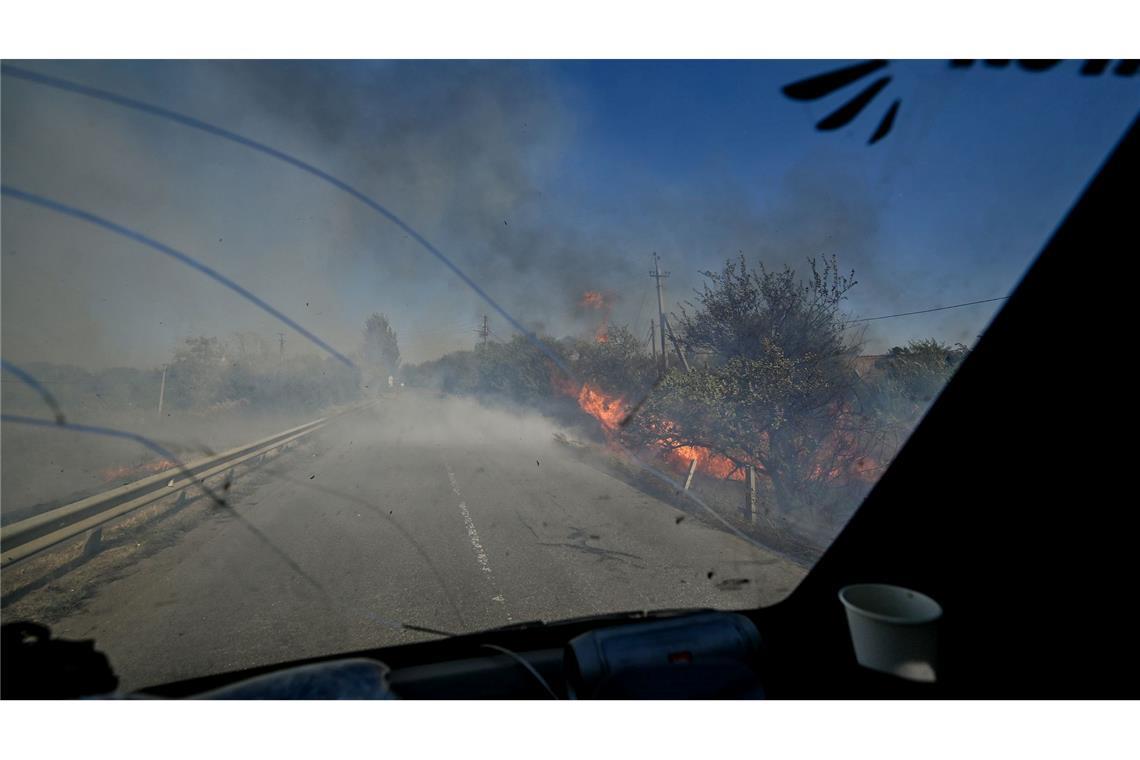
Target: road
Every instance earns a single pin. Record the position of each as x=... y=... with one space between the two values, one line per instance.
x=429 y=512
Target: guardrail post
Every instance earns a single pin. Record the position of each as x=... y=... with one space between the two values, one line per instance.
x=689 y=480
x=752 y=505
x=94 y=543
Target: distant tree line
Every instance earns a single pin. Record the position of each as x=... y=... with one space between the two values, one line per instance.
x=249 y=371
x=205 y=374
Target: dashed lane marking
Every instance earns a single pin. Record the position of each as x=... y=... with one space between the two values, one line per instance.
x=476 y=544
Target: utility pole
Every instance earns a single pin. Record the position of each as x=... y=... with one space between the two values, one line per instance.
x=658 y=275
x=162 y=390
x=281 y=342
x=653 y=341
x=484 y=331
x=677 y=348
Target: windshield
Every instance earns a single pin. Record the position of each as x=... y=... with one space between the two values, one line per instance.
x=310 y=357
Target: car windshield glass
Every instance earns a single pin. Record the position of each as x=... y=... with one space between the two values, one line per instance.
x=309 y=357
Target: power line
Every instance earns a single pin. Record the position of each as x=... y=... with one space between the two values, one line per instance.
x=640 y=308
x=926 y=311
x=658 y=275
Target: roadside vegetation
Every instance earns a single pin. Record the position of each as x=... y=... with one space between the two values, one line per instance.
x=778 y=381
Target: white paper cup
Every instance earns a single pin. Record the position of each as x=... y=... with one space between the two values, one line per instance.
x=894 y=629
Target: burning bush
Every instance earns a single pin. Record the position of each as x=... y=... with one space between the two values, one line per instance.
x=776 y=390
x=596 y=300
x=619 y=364
x=772 y=385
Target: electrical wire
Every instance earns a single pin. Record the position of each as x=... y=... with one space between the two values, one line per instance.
x=926 y=311
x=641 y=308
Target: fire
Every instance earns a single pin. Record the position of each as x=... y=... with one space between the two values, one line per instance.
x=833 y=460
x=708 y=461
x=611 y=410
x=608 y=410
x=596 y=300
x=857 y=467
x=593 y=299
x=135 y=471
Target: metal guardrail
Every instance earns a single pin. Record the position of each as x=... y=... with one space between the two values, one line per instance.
x=24 y=538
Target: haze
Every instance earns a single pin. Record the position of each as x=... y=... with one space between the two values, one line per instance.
x=541 y=180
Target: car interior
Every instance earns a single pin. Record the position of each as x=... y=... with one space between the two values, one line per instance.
x=1004 y=506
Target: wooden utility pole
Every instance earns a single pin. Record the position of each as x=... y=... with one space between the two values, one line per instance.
x=677 y=347
x=483 y=331
x=658 y=275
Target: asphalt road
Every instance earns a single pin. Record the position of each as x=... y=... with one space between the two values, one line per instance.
x=428 y=512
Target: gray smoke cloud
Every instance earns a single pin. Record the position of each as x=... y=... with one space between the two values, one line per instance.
x=450 y=148
x=470 y=154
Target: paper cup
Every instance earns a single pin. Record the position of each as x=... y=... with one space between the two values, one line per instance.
x=894 y=629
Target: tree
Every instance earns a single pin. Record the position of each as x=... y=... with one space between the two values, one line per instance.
x=903 y=384
x=381 y=348
x=919 y=370
x=620 y=365
x=777 y=389
x=517 y=370
x=196 y=372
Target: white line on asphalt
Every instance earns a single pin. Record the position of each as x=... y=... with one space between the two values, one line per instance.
x=473 y=534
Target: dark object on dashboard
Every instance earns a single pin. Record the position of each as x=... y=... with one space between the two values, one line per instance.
x=711 y=655
x=36 y=666
x=351 y=678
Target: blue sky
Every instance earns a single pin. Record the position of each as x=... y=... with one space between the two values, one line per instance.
x=978 y=170
x=542 y=179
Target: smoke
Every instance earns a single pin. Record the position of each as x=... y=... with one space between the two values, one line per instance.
x=448 y=147
x=473 y=155
x=460 y=422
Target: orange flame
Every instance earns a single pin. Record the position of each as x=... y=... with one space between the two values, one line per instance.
x=708 y=461
x=611 y=410
x=608 y=410
x=593 y=299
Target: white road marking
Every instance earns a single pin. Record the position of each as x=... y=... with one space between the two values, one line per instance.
x=476 y=544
